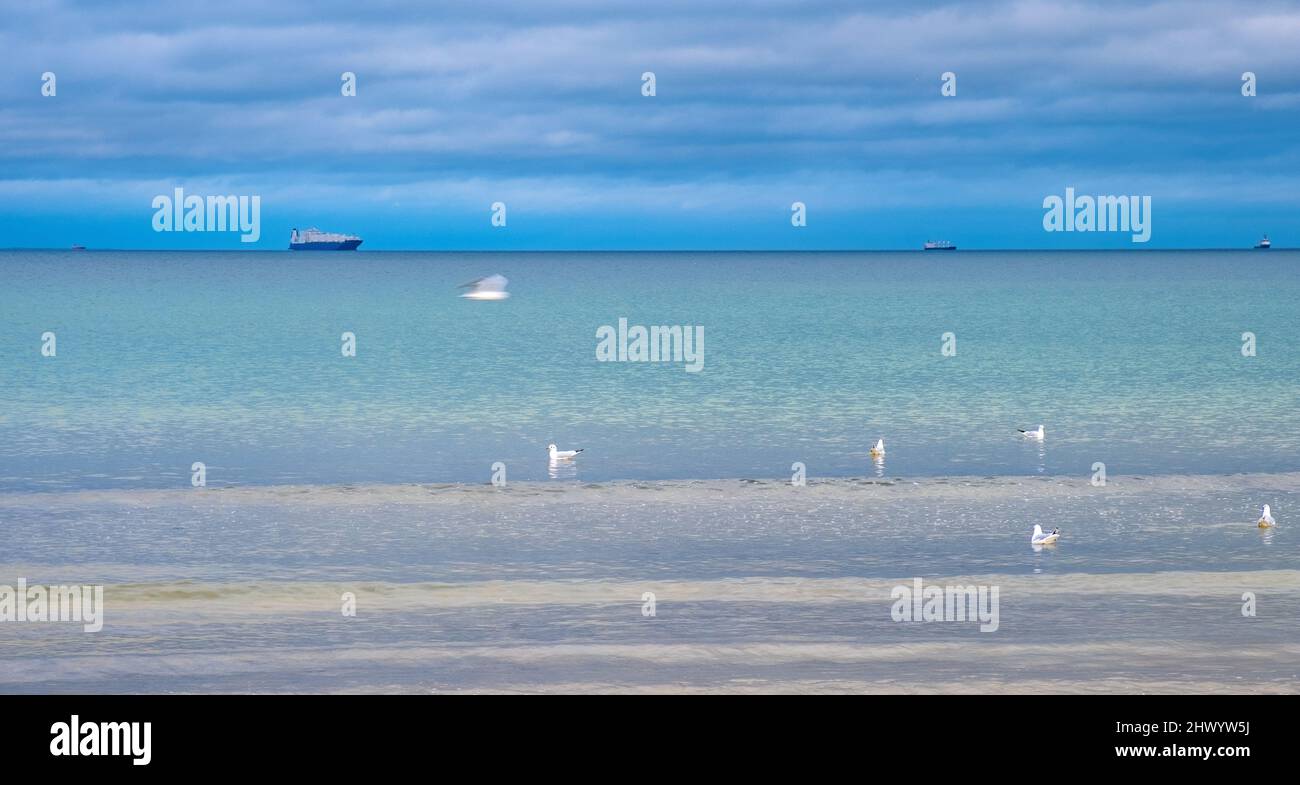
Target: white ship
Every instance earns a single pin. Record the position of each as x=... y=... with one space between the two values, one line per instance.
x=316 y=240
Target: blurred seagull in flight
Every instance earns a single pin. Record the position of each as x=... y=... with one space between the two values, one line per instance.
x=1266 y=518
x=1036 y=434
x=561 y=454
x=492 y=287
x=1039 y=538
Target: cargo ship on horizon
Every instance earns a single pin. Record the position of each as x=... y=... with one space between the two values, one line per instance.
x=316 y=240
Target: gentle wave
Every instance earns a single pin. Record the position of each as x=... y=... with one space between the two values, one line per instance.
x=384 y=597
x=973 y=488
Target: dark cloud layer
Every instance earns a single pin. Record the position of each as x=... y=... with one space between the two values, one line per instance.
x=835 y=102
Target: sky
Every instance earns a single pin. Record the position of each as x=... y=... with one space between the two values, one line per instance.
x=757 y=105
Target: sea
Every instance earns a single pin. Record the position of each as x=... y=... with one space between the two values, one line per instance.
x=327 y=472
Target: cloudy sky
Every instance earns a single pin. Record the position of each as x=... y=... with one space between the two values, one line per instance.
x=759 y=104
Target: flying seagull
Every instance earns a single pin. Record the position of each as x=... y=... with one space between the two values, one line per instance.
x=1038 y=538
x=492 y=287
x=1036 y=434
x=1266 y=518
x=561 y=454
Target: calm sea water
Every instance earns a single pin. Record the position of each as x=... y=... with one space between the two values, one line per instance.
x=759 y=586
x=368 y=475
x=233 y=359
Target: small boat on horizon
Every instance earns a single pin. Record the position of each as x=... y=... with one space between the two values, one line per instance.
x=938 y=245
x=1264 y=244
x=316 y=240
x=78 y=247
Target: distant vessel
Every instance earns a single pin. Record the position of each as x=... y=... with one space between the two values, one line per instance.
x=78 y=247
x=316 y=240
x=939 y=245
x=1264 y=244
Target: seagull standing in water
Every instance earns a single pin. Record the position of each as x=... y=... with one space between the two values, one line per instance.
x=492 y=287
x=1039 y=538
x=1036 y=434
x=1266 y=518
x=557 y=455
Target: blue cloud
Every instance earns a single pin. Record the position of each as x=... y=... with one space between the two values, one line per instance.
x=758 y=105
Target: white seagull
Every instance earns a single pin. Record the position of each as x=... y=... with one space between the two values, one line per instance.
x=1266 y=518
x=879 y=450
x=1039 y=538
x=561 y=454
x=492 y=287
x=1036 y=434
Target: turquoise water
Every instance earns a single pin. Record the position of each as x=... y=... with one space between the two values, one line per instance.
x=233 y=359
x=366 y=476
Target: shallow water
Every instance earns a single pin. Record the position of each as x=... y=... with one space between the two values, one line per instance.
x=759 y=586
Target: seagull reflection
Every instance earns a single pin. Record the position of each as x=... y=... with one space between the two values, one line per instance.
x=562 y=470
x=877 y=453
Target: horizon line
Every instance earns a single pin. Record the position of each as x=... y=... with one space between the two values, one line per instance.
x=635 y=250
